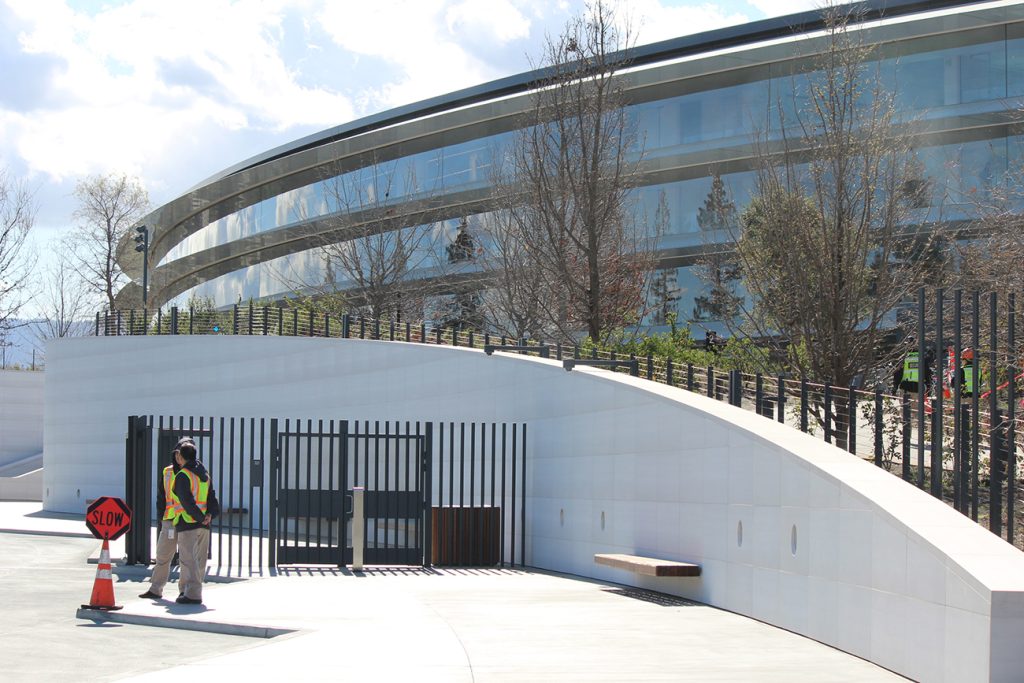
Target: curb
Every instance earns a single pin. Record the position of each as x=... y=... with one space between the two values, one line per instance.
x=40 y=532
x=100 y=616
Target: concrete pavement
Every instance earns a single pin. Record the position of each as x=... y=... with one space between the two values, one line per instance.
x=382 y=624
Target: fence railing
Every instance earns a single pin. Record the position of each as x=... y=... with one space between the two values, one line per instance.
x=965 y=450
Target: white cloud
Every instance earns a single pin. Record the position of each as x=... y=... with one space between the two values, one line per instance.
x=496 y=20
x=140 y=75
x=653 y=20
x=434 y=46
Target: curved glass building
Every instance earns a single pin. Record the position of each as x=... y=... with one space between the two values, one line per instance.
x=256 y=230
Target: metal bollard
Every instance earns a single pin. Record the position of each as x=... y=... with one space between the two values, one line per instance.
x=358 y=528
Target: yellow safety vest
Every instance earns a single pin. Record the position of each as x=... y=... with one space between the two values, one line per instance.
x=200 y=491
x=172 y=506
x=911 y=369
x=968 y=389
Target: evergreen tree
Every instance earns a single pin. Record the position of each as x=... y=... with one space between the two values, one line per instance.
x=719 y=273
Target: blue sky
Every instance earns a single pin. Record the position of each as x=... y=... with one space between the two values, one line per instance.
x=172 y=92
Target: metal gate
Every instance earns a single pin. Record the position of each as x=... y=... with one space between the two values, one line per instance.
x=317 y=467
x=434 y=493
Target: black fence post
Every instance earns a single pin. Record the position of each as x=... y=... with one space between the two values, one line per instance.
x=759 y=403
x=995 y=477
x=234 y=319
x=191 y=317
x=851 y=420
x=828 y=412
x=956 y=373
x=668 y=368
x=312 y=321
x=922 y=390
x=98 y=324
x=174 y=320
x=803 y=404
x=907 y=434
x=1011 y=400
x=879 y=444
x=781 y=400
x=250 y=318
x=965 y=463
x=995 y=417
x=938 y=377
x=975 y=399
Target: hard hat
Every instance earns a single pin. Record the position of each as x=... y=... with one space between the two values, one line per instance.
x=967 y=354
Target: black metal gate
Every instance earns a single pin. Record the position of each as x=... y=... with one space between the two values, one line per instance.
x=433 y=493
x=317 y=468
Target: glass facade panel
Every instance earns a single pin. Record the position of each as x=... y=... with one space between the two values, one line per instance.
x=702 y=116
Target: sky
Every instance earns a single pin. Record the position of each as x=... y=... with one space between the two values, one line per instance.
x=172 y=92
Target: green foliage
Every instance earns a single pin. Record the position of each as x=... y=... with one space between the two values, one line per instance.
x=334 y=304
x=678 y=345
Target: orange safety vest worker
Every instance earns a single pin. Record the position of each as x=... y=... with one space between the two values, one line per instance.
x=200 y=492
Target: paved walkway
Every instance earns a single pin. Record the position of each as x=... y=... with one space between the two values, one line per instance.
x=400 y=623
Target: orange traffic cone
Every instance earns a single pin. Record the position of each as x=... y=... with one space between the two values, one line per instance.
x=103 y=588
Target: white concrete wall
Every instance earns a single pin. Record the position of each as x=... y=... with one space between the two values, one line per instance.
x=21 y=414
x=831 y=547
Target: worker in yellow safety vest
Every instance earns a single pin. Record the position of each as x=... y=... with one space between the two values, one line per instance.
x=193 y=491
x=912 y=377
x=166 y=542
x=967 y=372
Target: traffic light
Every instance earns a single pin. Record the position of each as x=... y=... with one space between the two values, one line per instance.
x=142 y=238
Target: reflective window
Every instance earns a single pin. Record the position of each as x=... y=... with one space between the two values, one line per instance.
x=453 y=168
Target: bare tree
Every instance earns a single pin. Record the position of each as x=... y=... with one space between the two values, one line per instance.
x=17 y=217
x=108 y=207
x=824 y=244
x=567 y=187
x=66 y=303
x=512 y=304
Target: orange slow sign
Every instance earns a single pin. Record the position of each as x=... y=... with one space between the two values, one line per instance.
x=108 y=518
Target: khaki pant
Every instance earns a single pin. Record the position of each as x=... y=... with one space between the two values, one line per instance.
x=166 y=546
x=193 y=546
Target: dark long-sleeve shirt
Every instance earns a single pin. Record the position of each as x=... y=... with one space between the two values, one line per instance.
x=183 y=490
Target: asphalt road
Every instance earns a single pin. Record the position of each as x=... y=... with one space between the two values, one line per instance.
x=43 y=581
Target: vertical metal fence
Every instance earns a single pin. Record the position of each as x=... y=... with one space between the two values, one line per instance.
x=449 y=494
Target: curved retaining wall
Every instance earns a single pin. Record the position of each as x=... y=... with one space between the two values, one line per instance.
x=788 y=529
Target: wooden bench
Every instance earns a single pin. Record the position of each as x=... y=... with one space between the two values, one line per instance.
x=648 y=566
